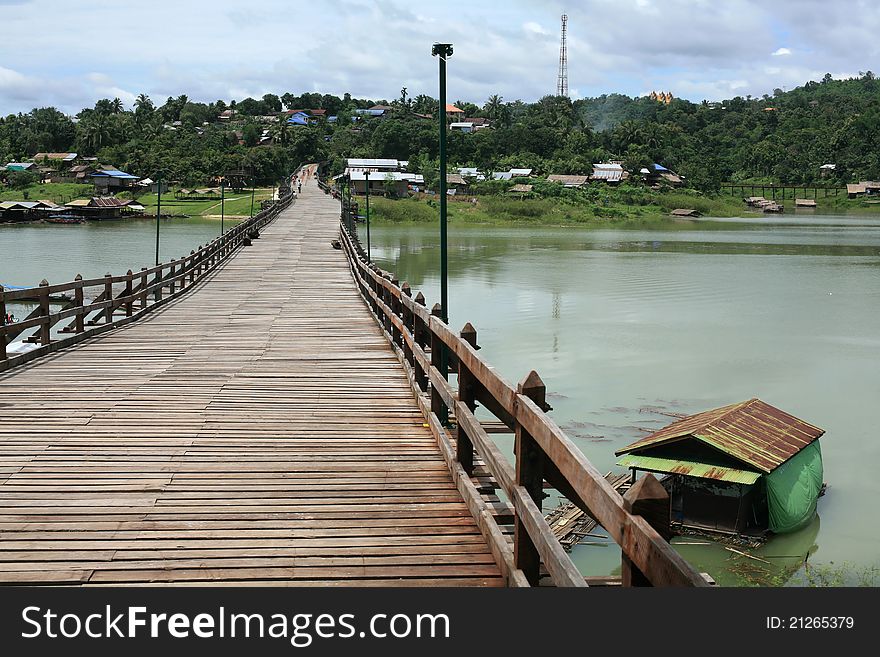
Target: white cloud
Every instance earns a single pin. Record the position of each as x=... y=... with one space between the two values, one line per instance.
x=696 y=48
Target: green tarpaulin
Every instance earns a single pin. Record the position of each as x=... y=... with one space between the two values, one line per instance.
x=793 y=488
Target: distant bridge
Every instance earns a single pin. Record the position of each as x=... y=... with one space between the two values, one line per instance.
x=241 y=416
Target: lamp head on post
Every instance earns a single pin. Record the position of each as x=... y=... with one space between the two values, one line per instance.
x=442 y=49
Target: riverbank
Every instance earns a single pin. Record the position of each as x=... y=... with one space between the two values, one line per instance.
x=620 y=207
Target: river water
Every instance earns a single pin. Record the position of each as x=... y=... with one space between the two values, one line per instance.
x=626 y=325
x=32 y=252
x=623 y=326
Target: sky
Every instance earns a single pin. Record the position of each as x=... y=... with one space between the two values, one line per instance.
x=70 y=54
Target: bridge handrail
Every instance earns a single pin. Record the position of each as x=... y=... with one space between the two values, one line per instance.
x=144 y=291
x=421 y=341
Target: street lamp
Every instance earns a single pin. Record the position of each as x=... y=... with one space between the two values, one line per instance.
x=253 y=189
x=367 y=187
x=444 y=51
x=222 y=204
x=158 y=210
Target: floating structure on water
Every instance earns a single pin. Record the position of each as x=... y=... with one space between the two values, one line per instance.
x=748 y=468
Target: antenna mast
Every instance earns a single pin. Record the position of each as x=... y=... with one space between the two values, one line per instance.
x=562 y=79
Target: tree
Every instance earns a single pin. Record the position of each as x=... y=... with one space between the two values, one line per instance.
x=271 y=103
x=251 y=134
x=493 y=107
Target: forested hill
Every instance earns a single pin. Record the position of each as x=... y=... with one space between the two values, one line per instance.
x=782 y=138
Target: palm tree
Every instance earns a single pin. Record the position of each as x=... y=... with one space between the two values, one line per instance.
x=143 y=103
x=117 y=106
x=492 y=107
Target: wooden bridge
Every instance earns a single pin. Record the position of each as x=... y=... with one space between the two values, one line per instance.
x=246 y=418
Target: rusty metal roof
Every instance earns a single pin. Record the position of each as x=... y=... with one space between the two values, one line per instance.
x=752 y=431
x=689 y=467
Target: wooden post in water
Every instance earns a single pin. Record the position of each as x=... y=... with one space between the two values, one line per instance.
x=646 y=498
x=44 y=311
x=529 y=475
x=464 y=447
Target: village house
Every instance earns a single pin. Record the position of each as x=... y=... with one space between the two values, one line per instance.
x=574 y=182
x=454 y=113
x=609 y=172
x=104 y=208
x=380 y=181
x=108 y=181
x=18 y=211
x=748 y=469
x=657 y=176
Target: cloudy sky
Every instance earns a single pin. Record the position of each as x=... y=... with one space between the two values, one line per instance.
x=69 y=54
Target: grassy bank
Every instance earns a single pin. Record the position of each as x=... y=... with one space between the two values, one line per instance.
x=236 y=205
x=595 y=206
x=499 y=210
x=55 y=192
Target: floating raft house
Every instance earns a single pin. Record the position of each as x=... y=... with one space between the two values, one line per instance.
x=744 y=469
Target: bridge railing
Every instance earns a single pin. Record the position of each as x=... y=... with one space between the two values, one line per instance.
x=430 y=351
x=142 y=291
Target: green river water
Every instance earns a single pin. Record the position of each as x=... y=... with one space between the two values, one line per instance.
x=622 y=324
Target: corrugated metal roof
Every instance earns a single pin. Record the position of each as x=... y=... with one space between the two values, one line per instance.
x=375 y=163
x=568 y=181
x=608 y=174
x=114 y=174
x=66 y=157
x=381 y=176
x=521 y=188
x=108 y=202
x=752 y=431
x=690 y=468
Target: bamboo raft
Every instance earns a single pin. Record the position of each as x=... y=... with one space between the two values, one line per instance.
x=571 y=524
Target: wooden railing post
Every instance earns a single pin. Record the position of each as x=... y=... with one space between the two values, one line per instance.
x=646 y=498
x=438 y=407
x=44 y=311
x=144 y=284
x=529 y=475
x=172 y=283
x=3 y=323
x=79 y=323
x=157 y=281
x=396 y=306
x=192 y=267
x=129 y=302
x=419 y=333
x=467 y=393
x=200 y=257
x=407 y=316
x=108 y=297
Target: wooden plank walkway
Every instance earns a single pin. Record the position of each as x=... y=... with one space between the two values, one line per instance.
x=258 y=430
